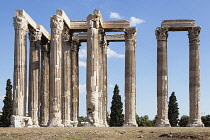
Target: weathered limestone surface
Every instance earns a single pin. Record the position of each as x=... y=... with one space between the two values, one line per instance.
x=176 y=25
x=194 y=75
x=66 y=78
x=55 y=71
x=162 y=78
x=20 y=65
x=45 y=84
x=20 y=121
x=34 y=70
x=92 y=70
x=75 y=80
x=130 y=77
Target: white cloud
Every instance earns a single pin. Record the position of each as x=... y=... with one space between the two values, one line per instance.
x=82 y=88
x=82 y=64
x=83 y=53
x=110 y=86
x=115 y=15
x=134 y=21
x=2 y=97
x=111 y=53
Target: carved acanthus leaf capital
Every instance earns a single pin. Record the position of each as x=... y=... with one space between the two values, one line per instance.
x=130 y=34
x=75 y=44
x=65 y=35
x=46 y=47
x=57 y=22
x=161 y=33
x=194 y=33
x=35 y=35
x=20 y=23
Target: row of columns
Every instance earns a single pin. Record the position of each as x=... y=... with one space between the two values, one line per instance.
x=194 y=77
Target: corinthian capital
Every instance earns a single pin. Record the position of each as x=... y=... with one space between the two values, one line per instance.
x=130 y=33
x=65 y=35
x=20 y=23
x=57 y=22
x=194 y=34
x=35 y=35
x=161 y=33
x=75 y=45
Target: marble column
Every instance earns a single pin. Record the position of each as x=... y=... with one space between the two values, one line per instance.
x=104 y=101
x=162 y=78
x=66 y=78
x=75 y=80
x=130 y=77
x=56 y=70
x=45 y=84
x=20 y=66
x=34 y=70
x=92 y=70
x=194 y=77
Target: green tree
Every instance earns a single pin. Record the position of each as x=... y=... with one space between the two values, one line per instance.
x=81 y=119
x=183 y=121
x=116 y=116
x=144 y=121
x=8 y=103
x=206 y=120
x=173 y=110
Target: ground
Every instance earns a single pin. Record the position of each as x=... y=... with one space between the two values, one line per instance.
x=114 y=133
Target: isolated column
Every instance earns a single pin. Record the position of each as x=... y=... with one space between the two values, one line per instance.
x=130 y=77
x=75 y=79
x=162 y=78
x=55 y=70
x=194 y=77
x=45 y=84
x=34 y=70
x=92 y=70
x=20 y=65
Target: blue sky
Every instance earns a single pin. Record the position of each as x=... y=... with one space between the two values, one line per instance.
x=152 y=13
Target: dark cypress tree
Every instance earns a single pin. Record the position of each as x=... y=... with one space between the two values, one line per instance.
x=116 y=116
x=8 y=103
x=173 y=110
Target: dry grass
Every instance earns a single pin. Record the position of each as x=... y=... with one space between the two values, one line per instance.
x=113 y=133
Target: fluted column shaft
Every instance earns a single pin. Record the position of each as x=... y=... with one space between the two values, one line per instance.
x=130 y=77
x=34 y=70
x=45 y=84
x=75 y=79
x=92 y=70
x=162 y=78
x=194 y=77
x=66 y=78
x=20 y=66
x=55 y=70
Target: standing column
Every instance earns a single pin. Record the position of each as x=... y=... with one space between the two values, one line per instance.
x=162 y=78
x=194 y=77
x=104 y=62
x=75 y=80
x=66 y=79
x=55 y=70
x=34 y=69
x=20 y=65
x=45 y=84
x=130 y=77
x=92 y=70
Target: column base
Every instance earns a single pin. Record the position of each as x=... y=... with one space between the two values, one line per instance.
x=195 y=123
x=67 y=124
x=55 y=123
x=162 y=123
x=134 y=124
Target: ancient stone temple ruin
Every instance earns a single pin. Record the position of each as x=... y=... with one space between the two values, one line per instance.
x=194 y=70
x=53 y=87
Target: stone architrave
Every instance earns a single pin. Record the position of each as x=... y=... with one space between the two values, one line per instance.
x=162 y=78
x=104 y=64
x=45 y=84
x=92 y=70
x=34 y=70
x=20 y=66
x=56 y=71
x=75 y=80
x=130 y=77
x=66 y=78
x=194 y=77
